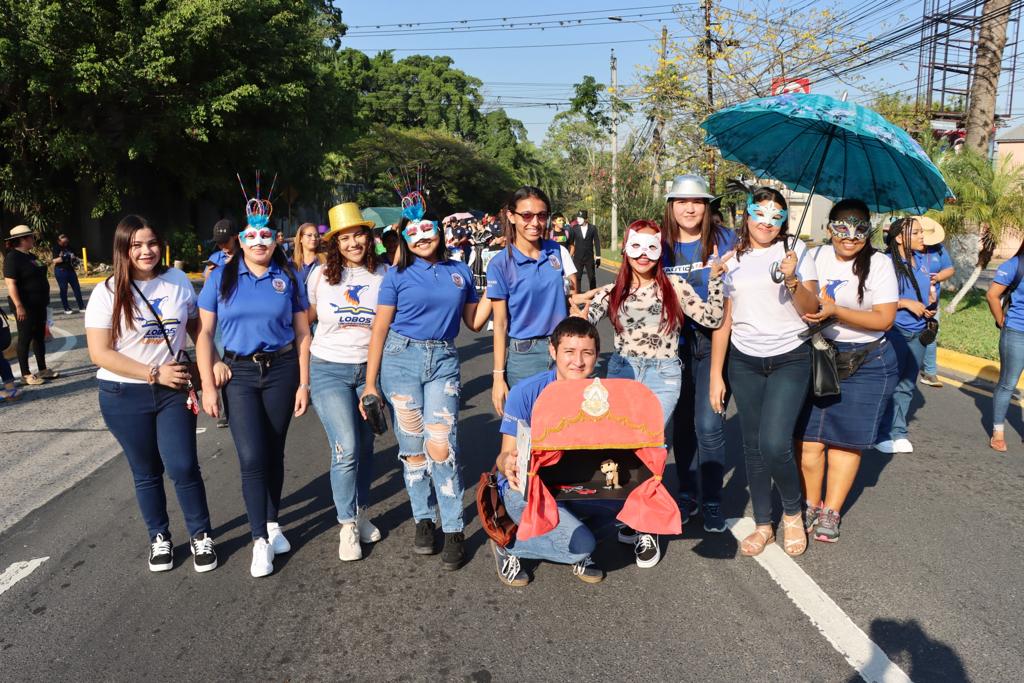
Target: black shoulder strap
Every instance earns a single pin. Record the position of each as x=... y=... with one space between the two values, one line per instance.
x=159 y=322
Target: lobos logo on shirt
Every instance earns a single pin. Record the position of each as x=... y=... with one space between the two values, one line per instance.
x=153 y=333
x=279 y=285
x=555 y=263
x=457 y=279
x=353 y=313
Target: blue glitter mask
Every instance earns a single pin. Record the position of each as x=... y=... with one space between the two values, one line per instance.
x=768 y=215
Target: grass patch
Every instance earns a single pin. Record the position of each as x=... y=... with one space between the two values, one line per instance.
x=970 y=329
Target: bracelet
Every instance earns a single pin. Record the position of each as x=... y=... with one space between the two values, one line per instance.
x=304 y=386
x=497 y=372
x=154 y=372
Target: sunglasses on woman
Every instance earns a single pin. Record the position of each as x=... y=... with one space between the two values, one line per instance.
x=528 y=216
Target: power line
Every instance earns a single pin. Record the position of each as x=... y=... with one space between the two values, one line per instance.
x=507 y=18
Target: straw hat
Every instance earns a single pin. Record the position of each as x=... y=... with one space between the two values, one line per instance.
x=344 y=216
x=933 y=232
x=20 y=231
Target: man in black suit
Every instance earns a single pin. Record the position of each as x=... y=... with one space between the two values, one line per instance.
x=585 y=247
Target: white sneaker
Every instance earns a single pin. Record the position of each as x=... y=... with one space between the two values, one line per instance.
x=67 y=312
x=885 y=447
x=368 y=533
x=262 y=558
x=348 y=544
x=903 y=446
x=277 y=539
x=648 y=551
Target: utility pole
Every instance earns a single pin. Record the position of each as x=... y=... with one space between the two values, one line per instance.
x=657 y=136
x=981 y=112
x=615 y=155
x=709 y=62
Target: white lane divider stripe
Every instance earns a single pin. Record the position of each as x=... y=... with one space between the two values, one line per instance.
x=18 y=571
x=869 y=660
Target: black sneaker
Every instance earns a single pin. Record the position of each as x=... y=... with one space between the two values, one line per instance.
x=424 y=543
x=627 y=535
x=222 y=423
x=510 y=572
x=587 y=571
x=687 y=507
x=453 y=554
x=204 y=557
x=648 y=552
x=714 y=522
x=161 y=558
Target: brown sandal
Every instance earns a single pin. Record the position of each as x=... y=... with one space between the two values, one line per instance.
x=794 y=536
x=997 y=443
x=755 y=543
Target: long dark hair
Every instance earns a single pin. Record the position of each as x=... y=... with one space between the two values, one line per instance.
x=710 y=234
x=229 y=278
x=120 y=283
x=743 y=233
x=406 y=255
x=334 y=265
x=903 y=263
x=524 y=192
x=671 y=311
x=862 y=260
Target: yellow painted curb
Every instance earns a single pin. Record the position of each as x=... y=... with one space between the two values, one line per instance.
x=195 y=277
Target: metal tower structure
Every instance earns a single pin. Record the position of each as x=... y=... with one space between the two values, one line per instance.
x=949 y=39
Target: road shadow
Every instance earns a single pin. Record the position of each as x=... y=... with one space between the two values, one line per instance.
x=929 y=659
x=1014 y=414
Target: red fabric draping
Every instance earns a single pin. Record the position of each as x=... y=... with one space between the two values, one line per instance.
x=650 y=508
x=541 y=513
x=631 y=418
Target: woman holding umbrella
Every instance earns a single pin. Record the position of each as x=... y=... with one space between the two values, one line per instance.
x=910 y=336
x=860 y=297
x=770 y=287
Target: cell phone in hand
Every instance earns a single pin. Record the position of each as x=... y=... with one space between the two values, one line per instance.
x=375 y=414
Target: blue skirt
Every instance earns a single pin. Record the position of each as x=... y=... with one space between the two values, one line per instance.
x=851 y=419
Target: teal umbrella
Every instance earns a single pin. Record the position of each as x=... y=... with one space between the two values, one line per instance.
x=820 y=145
x=382 y=215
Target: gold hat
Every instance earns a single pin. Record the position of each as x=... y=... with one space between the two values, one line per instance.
x=344 y=216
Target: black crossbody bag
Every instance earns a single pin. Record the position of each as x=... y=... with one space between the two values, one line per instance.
x=931 y=325
x=181 y=357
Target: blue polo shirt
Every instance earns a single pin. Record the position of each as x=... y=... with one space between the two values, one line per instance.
x=428 y=298
x=1015 y=312
x=938 y=260
x=905 y=320
x=258 y=315
x=218 y=258
x=519 y=404
x=532 y=289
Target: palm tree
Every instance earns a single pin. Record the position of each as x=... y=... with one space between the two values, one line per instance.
x=990 y=201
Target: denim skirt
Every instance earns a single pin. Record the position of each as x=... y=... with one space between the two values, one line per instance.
x=851 y=419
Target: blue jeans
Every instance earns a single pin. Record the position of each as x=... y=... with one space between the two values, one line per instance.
x=157 y=433
x=568 y=543
x=1011 y=365
x=909 y=352
x=698 y=429
x=661 y=375
x=422 y=383
x=261 y=401
x=770 y=393
x=335 y=391
x=64 y=278
x=526 y=357
x=929 y=365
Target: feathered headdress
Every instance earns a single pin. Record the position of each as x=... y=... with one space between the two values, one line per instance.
x=257 y=210
x=414 y=203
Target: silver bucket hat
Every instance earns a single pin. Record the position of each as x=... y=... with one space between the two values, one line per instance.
x=689 y=187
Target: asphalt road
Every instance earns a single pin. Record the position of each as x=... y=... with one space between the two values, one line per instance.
x=927 y=567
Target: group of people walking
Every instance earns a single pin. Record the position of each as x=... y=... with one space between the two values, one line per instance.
x=698 y=313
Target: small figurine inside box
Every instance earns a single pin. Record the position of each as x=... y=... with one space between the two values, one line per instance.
x=597 y=440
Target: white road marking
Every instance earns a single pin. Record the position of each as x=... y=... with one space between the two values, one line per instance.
x=200 y=430
x=18 y=571
x=869 y=660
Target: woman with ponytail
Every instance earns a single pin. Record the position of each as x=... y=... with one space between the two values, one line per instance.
x=917 y=305
x=647 y=310
x=260 y=306
x=858 y=304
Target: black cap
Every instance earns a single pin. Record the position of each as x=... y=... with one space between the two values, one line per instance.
x=223 y=230
x=582 y=213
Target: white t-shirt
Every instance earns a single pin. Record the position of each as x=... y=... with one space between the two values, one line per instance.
x=344 y=313
x=837 y=281
x=174 y=299
x=765 y=322
x=568 y=267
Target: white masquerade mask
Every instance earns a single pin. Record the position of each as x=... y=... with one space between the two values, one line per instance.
x=256 y=237
x=642 y=244
x=419 y=231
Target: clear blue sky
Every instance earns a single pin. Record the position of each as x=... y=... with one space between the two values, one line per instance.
x=529 y=69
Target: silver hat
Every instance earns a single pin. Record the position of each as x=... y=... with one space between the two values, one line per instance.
x=689 y=187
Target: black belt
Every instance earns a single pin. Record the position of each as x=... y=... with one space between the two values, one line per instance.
x=259 y=356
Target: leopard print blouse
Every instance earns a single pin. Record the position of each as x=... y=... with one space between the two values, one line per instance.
x=641 y=317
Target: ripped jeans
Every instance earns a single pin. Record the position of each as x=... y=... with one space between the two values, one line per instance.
x=420 y=379
x=663 y=376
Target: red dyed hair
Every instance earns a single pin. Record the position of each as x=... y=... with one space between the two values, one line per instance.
x=671 y=311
